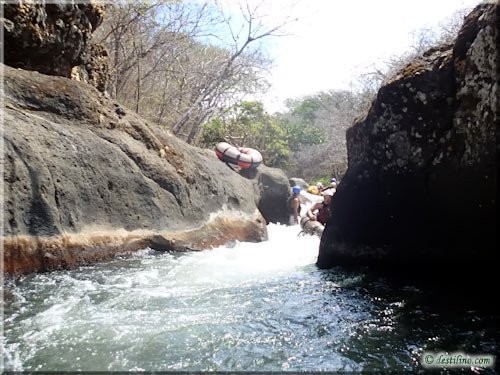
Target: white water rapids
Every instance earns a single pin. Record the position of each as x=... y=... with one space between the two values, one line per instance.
x=245 y=307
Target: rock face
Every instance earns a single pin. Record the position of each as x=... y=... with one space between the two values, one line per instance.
x=85 y=178
x=94 y=69
x=54 y=38
x=421 y=182
x=274 y=193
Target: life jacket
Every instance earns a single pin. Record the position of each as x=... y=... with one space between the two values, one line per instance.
x=323 y=214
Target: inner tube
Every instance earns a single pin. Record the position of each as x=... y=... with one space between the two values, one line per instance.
x=243 y=157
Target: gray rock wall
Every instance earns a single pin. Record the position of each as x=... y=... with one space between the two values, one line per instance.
x=274 y=192
x=77 y=163
x=49 y=38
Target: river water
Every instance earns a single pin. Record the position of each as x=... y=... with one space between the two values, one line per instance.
x=253 y=307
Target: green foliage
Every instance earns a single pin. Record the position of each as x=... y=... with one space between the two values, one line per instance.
x=213 y=132
x=325 y=180
x=299 y=134
x=247 y=124
x=305 y=109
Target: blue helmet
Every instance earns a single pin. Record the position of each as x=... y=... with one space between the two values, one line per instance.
x=296 y=189
x=333 y=180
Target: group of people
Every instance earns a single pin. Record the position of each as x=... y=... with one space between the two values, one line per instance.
x=319 y=187
x=316 y=216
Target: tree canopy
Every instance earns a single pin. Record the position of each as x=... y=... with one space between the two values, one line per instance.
x=276 y=137
x=179 y=63
x=187 y=66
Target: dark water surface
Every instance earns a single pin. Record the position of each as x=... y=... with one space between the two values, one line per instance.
x=253 y=307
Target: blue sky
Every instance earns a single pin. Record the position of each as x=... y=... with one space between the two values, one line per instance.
x=335 y=40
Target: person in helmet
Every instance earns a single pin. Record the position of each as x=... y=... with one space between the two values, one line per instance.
x=321 y=211
x=294 y=206
x=333 y=183
x=315 y=219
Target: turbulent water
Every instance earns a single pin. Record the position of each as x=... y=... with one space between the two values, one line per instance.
x=248 y=306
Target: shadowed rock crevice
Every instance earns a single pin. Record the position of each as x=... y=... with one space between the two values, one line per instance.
x=39 y=218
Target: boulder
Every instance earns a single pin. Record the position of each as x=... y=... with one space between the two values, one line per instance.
x=420 y=188
x=85 y=178
x=294 y=181
x=94 y=69
x=54 y=38
x=274 y=193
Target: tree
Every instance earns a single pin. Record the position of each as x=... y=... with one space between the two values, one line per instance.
x=236 y=64
x=181 y=63
x=335 y=111
x=247 y=124
x=332 y=112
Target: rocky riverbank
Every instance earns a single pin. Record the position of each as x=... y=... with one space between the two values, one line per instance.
x=85 y=178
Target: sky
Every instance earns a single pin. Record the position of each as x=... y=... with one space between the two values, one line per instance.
x=333 y=41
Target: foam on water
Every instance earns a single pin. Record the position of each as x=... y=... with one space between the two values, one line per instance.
x=246 y=306
x=133 y=301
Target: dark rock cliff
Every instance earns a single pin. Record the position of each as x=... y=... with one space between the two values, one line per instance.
x=421 y=182
x=55 y=39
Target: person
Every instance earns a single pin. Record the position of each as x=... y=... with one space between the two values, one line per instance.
x=319 y=187
x=294 y=206
x=315 y=219
x=315 y=189
x=333 y=183
x=321 y=211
